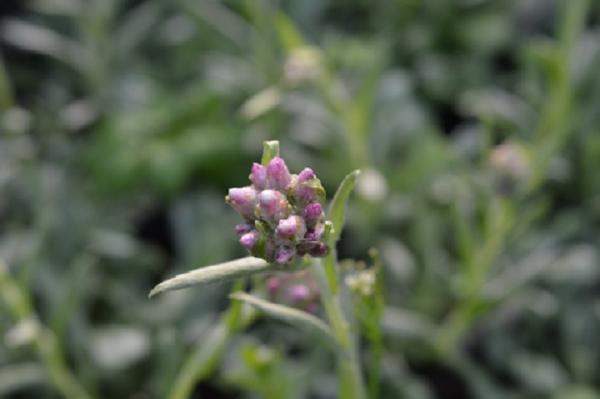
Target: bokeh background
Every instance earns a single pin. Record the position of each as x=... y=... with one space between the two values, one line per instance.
x=476 y=124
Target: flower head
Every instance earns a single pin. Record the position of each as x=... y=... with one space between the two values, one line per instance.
x=278 y=175
x=242 y=200
x=283 y=213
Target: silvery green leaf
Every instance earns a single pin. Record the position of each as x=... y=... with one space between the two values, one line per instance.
x=337 y=209
x=219 y=273
x=17 y=376
x=270 y=151
x=294 y=317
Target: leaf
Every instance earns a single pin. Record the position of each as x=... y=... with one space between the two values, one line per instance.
x=219 y=273
x=270 y=151
x=18 y=376
x=294 y=317
x=337 y=209
x=288 y=33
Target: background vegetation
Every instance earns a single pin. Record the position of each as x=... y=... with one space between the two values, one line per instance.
x=476 y=125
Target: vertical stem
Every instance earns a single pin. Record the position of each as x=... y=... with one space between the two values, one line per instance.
x=204 y=358
x=351 y=385
x=19 y=304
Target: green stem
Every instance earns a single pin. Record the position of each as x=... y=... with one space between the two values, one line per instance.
x=45 y=344
x=376 y=344
x=351 y=383
x=203 y=360
x=551 y=133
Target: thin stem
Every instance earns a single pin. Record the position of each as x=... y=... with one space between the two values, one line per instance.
x=203 y=360
x=351 y=383
x=44 y=341
x=552 y=130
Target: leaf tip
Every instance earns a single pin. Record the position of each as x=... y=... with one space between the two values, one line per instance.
x=154 y=291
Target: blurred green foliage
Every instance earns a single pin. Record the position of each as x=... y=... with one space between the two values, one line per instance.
x=475 y=123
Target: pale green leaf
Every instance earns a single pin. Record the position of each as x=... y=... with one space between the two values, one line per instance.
x=294 y=317
x=337 y=209
x=218 y=273
x=288 y=33
x=270 y=151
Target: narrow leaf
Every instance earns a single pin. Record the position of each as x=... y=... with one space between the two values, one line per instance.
x=288 y=33
x=337 y=209
x=218 y=273
x=270 y=151
x=294 y=317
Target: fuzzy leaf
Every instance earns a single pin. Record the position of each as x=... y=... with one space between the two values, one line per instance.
x=337 y=209
x=218 y=273
x=270 y=151
x=294 y=317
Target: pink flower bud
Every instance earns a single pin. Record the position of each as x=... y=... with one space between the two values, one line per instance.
x=291 y=228
x=319 y=249
x=305 y=194
x=278 y=175
x=250 y=239
x=243 y=228
x=313 y=213
x=242 y=200
x=258 y=176
x=273 y=285
x=272 y=204
x=284 y=255
x=314 y=234
x=299 y=292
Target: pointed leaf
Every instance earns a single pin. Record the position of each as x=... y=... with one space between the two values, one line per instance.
x=270 y=151
x=218 y=273
x=288 y=33
x=294 y=317
x=337 y=209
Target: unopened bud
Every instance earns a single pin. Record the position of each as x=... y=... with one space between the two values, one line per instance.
x=278 y=175
x=319 y=249
x=250 y=239
x=313 y=213
x=291 y=228
x=242 y=200
x=314 y=234
x=284 y=254
x=258 y=176
x=306 y=186
x=299 y=292
x=243 y=228
x=272 y=204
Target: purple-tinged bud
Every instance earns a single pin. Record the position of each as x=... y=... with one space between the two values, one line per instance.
x=243 y=228
x=250 y=239
x=291 y=228
x=304 y=193
x=319 y=249
x=242 y=200
x=299 y=292
x=313 y=214
x=258 y=176
x=278 y=175
x=273 y=285
x=272 y=204
x=284 y=254
x=315 y=233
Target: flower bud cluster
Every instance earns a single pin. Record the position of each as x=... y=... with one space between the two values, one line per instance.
x=511 y=167
x=294 y=289
x=283 y=213
x=362 y=283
